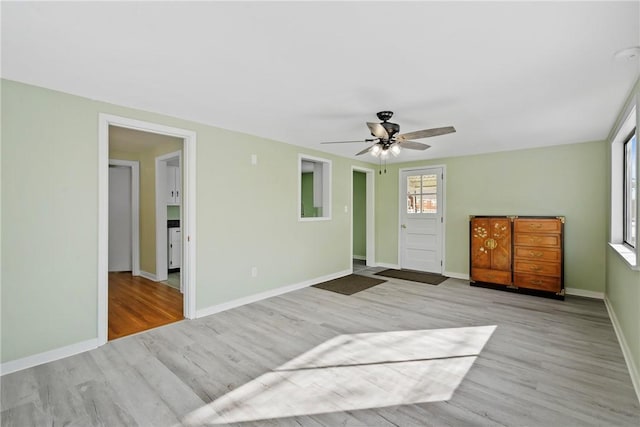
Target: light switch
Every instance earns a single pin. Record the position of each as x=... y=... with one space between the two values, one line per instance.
x=346 y=209
x=254 y=159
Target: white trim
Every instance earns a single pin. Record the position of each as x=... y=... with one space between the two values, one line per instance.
x=454 y=275
x=584 y=293
x=47 y=356
x=327 y=190
x=188 y=221
x=630 y=119
x=268 y=294
x=388 y=265
x=626 y=351
x=161 y=212
x=149 y=276
x=370 y=215
x=135 y=211
x=401 y=202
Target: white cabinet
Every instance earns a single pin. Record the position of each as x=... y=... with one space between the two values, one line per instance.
x=175 y=248
x=174 y=185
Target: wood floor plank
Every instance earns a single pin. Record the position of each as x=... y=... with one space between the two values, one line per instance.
x=548 y=362
x=137 y=304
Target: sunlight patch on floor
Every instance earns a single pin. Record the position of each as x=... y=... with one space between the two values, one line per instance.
x=356 y=371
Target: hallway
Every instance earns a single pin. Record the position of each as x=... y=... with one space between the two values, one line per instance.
x=137 y=304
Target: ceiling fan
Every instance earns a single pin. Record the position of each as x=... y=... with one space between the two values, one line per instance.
x=387 y=139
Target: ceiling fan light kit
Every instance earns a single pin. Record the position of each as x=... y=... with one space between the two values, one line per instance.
x=387 y=137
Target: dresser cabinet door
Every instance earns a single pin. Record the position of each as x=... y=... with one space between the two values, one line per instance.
x=491 y=250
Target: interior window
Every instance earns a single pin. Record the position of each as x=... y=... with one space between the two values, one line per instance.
x=314 y=179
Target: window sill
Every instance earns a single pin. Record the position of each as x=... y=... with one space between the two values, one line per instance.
x=314 y=218
x=628 y=255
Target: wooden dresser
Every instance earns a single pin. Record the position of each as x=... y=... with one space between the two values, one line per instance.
x=517 y=253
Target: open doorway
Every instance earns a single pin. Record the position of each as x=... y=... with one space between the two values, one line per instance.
x=143 y=298
x=133 y=291
x=362 y=218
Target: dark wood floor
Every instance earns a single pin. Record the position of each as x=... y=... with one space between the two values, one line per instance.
x=137 y=304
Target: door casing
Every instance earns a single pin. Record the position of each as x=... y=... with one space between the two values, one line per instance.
x=188 y=221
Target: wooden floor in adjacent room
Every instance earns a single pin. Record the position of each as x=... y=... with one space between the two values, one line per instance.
x=397 y=354
x=137 y=304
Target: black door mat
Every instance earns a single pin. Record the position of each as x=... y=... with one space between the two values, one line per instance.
x=349 y=285
x=414 y=276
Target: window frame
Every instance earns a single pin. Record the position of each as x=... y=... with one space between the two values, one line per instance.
x=626 y=126
x=627 y=199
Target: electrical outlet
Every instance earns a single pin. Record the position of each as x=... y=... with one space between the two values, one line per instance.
x=254 y=271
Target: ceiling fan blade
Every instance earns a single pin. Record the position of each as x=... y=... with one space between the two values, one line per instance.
x=346 y=142
x=366 y=150
x=413 y=145
x=426 y=133
x=378 y=130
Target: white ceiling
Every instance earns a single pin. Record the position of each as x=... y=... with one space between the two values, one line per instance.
x=507 y=75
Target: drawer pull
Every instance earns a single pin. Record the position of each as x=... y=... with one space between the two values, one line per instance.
x=536 y=282
x=535 y=239
x=535 y=254
x=535 y=268
x=535 y=226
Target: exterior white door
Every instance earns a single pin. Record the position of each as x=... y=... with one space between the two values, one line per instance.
x=120 y=241
x=421 y=219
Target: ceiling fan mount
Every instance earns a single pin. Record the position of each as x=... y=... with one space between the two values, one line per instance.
x=387 y=137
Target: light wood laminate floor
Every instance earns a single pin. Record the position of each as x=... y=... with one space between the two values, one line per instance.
x=518 y=361
x=137 y=304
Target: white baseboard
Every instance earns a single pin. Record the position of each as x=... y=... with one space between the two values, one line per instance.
x=268 y=294
x=626 y=351
x=47 y=356
x=359 y=257
x=385 y=265
x=148 y=275
x=461 y=276
x=582 y=293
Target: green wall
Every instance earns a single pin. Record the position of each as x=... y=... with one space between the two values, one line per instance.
x=568 y=180
x=359 y=214
x=623 y=283
x=306 y=196
x=246 y=216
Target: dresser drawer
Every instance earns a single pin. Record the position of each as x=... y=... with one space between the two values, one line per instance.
x=528 y=239
x=539 y=254
x=491 y=276
x=535 y=267
x=542 y=283
x=535 y=225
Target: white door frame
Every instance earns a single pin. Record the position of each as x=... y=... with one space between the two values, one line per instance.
x=188 y=221
x=402 y=204
x=135 y=211
x=370 y=212
x=161 y=215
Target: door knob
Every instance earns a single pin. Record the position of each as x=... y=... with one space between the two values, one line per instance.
x=403 y=226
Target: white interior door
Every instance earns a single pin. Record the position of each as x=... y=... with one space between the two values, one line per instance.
x=120 y=252
x=421 y=220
